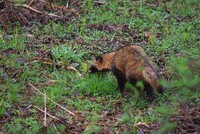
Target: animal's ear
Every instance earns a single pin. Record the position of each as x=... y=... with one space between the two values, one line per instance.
x=100 y=59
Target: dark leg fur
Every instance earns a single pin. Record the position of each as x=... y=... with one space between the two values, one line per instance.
x=160 y=90
x=121 y=84
x=121 y=79
x=133 y=82
x=149 y=91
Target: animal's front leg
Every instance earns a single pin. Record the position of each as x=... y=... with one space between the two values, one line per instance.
x=121 y=85
x=121 y=80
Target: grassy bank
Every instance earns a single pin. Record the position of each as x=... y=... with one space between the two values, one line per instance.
x=54 y=57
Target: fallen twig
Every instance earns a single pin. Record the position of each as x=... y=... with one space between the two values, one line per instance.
x=32 y=9
x=19 y=108
x=56 y=129
x=45 y=109
x=53 y=15
x=99 y=2
x=30 y=2
x=46 y=113
x=2 y=39
x=35 y=10
x=51 y=100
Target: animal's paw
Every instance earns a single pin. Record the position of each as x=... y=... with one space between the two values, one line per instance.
x=124 y=93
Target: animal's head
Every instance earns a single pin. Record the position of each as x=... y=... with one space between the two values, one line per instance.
x=96 y=65
x=101 y=63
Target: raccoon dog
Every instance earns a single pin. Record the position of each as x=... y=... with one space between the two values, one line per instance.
x=129 y=64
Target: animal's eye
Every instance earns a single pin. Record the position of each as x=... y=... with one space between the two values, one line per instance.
x=99 y=58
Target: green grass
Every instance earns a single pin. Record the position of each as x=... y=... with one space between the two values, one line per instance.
x=72 y=44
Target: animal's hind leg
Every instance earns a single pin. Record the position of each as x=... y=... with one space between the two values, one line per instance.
x=155 y=85
x=149 y=91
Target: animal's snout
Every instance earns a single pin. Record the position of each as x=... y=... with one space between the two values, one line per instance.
x=92 y=69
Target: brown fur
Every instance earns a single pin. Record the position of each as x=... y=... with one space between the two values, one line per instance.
x=129 y=64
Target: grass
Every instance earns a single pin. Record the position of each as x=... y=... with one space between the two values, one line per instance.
x=73 y=44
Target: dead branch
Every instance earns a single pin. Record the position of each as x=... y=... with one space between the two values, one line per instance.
x=32 y=9
x=51 y=100
x=56 y=129
x=45 y=109
x=35 y=10
x=99 y=2
x=46 y=113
